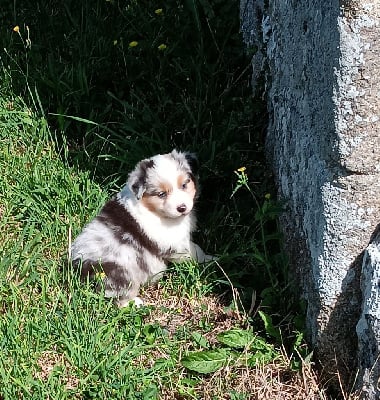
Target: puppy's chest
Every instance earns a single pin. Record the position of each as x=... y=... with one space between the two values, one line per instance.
x=145 y=230
x=170 y=239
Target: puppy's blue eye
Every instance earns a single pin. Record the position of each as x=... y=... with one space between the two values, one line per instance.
x=184 y=185
x=162 y=195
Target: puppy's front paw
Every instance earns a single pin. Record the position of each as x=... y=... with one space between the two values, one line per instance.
x=138 y=302
x=126 y=302
x=199 y=255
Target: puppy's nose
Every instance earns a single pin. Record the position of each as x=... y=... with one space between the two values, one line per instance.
x=181 y=208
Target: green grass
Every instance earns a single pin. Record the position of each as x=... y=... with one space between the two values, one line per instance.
x=111 y=105
x=61 y=339
x=195 y=94
x=78 y=107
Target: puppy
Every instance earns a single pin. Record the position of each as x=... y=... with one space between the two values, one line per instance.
x=146 y=225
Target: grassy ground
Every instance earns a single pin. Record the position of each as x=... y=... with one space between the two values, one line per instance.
x=63 y=340
x=89 y=88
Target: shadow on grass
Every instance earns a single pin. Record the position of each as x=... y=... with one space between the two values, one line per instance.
x=119 y=83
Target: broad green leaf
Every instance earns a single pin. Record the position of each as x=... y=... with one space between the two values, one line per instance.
x=261 y=344
x=205 y=362
x=150 y=333
x=236 y=338
x=261 y=357
x=200 y=340
x=151 y=393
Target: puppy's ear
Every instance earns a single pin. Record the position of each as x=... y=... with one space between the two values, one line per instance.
x=192 y=160
x=188 y=159
x=137 y=178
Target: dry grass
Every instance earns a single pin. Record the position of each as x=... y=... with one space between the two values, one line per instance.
x=52 y=362
x=275 y=380
x=171 y=311
x=272 y=381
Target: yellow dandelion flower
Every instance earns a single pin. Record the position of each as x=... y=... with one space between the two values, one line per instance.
x=158 y=11
x=267 y=196
x=16 y=29
x=133 y=43
x=162 y=47
x=100 y=275
x=241 y=169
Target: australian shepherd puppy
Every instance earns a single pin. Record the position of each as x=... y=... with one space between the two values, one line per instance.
x=146 y=225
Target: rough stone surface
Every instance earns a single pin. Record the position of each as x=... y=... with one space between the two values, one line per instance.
x=368 y=327
x=320 y=62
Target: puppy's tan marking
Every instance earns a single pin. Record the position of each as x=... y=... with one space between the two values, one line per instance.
x=186 y=184
x=166 y=187
x=151 y=202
